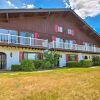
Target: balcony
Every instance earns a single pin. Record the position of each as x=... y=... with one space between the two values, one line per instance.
x=7 y=39
x=73 y=47
x=14 y=40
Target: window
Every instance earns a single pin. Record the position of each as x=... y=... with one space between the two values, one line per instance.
x=59 y=43
x=88 y=44
x=4 y=31
x=26 y=34
x=13 y=34
x=58 y=28
x=69 y=42
x=31 y=56
x=86 y=57
x=71 y=57
x=23 y=40
x=4 y=37
x=70 y=31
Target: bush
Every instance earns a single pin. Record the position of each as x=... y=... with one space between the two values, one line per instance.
x=82 y=63
x=86 y=63
x=96 y=61
x=45 y=65
x=73 y=64
x=27 y=65
x=37 y=64
x=16 y=67
x=48 y=65
x=52 y=57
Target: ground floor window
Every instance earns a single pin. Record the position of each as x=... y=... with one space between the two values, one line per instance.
x=31 y=56
x=72 y=57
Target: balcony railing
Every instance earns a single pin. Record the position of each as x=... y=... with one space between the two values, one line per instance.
x=33 y=42
x=21 y=40
x=75 y=47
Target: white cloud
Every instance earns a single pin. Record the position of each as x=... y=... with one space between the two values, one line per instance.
x=29 y=6
x=10 y=4
x=84 y=8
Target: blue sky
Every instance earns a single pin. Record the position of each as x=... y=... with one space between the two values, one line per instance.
x=89 y=12
x=94 y=22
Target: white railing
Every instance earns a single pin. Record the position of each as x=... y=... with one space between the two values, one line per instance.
x=33 y=42
x=21 y=40
x=76 y=47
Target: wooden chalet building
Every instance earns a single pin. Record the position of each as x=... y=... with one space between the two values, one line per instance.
x=27 y=33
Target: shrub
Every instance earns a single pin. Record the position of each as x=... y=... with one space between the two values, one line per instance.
x=45 y=65
x=86 y=63
x=82 y=63
x=27 y=65
x=52 y=57
x=96 y=61
x=37 y=64
x=16 y=67
x=73 y=64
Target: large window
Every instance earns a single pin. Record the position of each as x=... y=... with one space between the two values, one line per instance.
x=59 y=43
x=4 y=36
x=13 y=34
x=71 y=57
x=25 y=37
x=31 y=56
x=69 y=43
x=4 y=31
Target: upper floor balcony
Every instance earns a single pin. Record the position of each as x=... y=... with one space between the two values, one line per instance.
x=22 y=41
x=73 y=47
x=8 y=39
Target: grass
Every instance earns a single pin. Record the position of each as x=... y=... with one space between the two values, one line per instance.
x=59 y=84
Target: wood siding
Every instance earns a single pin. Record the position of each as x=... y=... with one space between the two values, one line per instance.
x=44 y=25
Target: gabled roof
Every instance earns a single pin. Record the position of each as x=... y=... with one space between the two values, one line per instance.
x=88 y=26
x=39 y=10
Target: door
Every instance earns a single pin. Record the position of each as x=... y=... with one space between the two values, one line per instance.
x=2 y=60
x=71 y=44
x=62 y=60
x=59 y=43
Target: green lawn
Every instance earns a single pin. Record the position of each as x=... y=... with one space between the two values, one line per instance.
x=58 y=84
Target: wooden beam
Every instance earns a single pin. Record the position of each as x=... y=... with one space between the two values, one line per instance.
x=7 y=17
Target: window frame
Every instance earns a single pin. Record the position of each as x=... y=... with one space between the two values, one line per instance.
x=31 y=53
x=69 y=31
x=71 y=59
